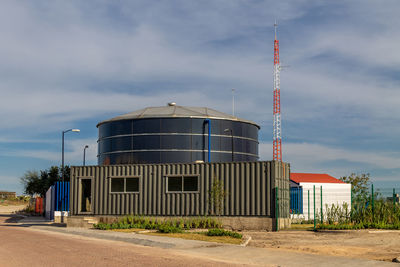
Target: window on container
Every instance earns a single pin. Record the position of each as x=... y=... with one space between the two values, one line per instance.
x=174 y=184
x=117 y=185
x=190 y=183
x=183 y=184
x=125 y=185
x=132 y=185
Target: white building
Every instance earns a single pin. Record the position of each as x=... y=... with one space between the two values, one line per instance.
x=309 y=185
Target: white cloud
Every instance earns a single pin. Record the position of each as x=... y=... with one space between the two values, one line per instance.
x=73 y=152
x=306 y=157
x=72 y=51
x=64 y=62
x=305 y=154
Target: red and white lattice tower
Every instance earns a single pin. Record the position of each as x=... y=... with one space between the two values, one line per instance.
x=277 y=140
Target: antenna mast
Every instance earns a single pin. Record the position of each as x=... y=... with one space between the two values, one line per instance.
x=277 y=139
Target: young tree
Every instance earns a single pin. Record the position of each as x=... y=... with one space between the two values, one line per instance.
x=67 y=171
x=39 y=184
x=217 y=196
x=359 y=184
x=31 y=182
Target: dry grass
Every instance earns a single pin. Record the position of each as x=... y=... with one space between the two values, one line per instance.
x=131 y=230
x=12 y=202
x=201 y=237
x=301 y=227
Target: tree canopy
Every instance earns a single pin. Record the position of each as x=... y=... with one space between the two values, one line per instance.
x=35 y=183
x=359 y=184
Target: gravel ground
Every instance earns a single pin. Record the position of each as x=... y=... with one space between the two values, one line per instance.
x=383 y=245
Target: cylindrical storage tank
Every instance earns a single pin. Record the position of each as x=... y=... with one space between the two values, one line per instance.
x=176 y=134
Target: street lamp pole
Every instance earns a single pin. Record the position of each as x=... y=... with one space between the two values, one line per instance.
x=84 y=154
x=62 y=161
x=230 y=130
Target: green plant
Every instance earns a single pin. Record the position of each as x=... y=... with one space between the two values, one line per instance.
x=382 y=214
x=144 y=222
x=222 y=232
x=337 y=213
x=359 y=184
x=169 y=229
x=217 y=196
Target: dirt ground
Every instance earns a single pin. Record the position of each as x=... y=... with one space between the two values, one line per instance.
x=381 y=245
x=8 y=209
x=23 y=246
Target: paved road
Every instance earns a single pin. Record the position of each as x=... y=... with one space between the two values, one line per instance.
x=28 y=246
x=32 y=243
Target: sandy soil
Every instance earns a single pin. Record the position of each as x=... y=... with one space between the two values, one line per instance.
x=363 y=244
x=11 y=208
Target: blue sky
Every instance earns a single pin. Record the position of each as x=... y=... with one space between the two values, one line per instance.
x=71 y=64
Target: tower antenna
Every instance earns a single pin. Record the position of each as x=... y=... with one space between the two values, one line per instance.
x=277 y=138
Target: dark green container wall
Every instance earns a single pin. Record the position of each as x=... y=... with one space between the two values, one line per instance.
x=281 y=177
x=175 y=140
x=250 y=187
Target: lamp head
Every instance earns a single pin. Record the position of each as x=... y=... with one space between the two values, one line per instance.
x=76 y=130
x=86 y=146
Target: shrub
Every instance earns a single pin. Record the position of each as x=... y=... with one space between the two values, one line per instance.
x=169 y=229
x=222 y=232
x=151 y=223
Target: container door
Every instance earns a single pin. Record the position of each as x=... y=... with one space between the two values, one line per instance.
x=86 y=196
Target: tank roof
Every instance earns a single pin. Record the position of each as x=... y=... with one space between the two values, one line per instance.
x=174 y=111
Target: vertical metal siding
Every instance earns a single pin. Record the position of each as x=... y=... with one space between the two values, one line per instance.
x=250 y=187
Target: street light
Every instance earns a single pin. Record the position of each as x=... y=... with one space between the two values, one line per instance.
x=230 y=130
x=62 y=164
x=84 y=154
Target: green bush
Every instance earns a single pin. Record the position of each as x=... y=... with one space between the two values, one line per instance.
x=222 y=232
x=169 y=229
x=151 y=223
x=358 y=226
x=366 y=212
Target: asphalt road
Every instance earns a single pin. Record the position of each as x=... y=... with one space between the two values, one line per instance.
x=27 y=246
x=33 y=243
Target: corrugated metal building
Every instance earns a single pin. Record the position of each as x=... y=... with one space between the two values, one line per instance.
x=180 y=189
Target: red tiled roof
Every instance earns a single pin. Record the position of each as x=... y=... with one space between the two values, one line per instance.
x=313 y=178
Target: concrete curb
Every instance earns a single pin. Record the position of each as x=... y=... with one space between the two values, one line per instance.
x=246 y=240
x=145 y=231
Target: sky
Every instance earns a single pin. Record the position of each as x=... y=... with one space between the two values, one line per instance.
x=72 y=64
